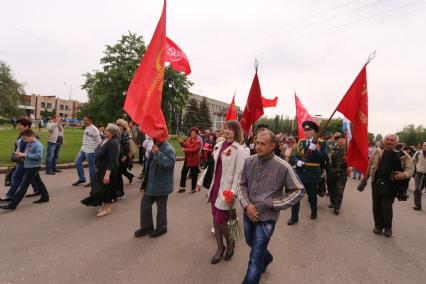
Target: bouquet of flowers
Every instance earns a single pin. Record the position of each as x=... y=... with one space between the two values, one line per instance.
x=235 y=232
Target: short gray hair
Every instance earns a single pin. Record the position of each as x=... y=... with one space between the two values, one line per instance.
x=114 y=129
x=272 y=136
x=394 y=135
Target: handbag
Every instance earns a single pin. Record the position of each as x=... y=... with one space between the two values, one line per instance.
x=209 y=172
x=9 y=174
x=322 y=188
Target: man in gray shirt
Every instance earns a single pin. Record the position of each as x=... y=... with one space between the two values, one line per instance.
x=261 y=193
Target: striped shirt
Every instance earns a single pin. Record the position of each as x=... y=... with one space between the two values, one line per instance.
x=270 y=184
x=91 y=139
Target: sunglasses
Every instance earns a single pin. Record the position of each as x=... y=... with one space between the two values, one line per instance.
x=307 y=129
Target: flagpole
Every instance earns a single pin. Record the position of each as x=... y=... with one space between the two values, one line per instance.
x=370 y=57
x=256 y=64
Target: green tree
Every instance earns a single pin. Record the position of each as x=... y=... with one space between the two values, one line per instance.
x=205 y=121
x=106 y=88
x=276 y=126
x=412 y=135
x=334 y=126
x=11 y=92
x=175 y=96
x=370 y=137
x=191 y=116
x=379 y=137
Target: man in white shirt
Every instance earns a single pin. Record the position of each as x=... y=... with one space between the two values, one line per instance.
x=91 y=141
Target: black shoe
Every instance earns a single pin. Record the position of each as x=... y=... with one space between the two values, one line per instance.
x=156 y=233
x=78 y=182
x=228 y=255
x=57 y=171
x=313 y=216
x=217 y=257
x=192 y=191
x=42 y=200
x=33 y=194
x=417 y=208
x=336 y=211
x=50 y=173
x=5 y=199
x=292 y=222
x=7 y=207
x=387 y=232
x=131 y=179
x=143 y=232
x=377 y=230
x=330 y=206
x=266 y=264
x=89 y=184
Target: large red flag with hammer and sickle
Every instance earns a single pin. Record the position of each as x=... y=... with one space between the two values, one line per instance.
x=354 y=106
x=177 y=58
x=254 y=107
x=143 y=100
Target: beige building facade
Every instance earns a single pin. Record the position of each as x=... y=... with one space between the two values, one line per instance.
x=35 y=105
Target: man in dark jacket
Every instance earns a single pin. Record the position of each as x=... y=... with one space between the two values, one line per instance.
x=308 y=160
x=387 y=170
x=159 y=186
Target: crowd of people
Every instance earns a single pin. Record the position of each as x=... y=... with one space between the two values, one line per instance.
x=264 y=171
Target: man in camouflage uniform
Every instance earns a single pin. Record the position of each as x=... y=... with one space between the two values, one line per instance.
x=337 y=173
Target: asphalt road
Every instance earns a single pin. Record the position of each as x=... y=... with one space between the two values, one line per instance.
x=64 y=242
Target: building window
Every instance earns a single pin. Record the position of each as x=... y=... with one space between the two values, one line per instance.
x=67 y=108
x=66 y=115
x=49 y=105
x=218 y=121
x=61 y=107
x=61 y=114
x=43 y=104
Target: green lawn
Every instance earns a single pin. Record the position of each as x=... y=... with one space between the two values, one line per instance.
x=69 y=150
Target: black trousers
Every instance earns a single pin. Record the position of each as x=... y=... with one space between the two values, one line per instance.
x=146 y=211
x=31 y=176
x=120 y=183
x=194 y=171
x=382 y=208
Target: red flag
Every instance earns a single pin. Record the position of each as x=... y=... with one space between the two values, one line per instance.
x=301 y=116
x=177 y=58
x=269 y=103
x=254 y=108
x=232 y=111
x=354 y=106
x=143 y=100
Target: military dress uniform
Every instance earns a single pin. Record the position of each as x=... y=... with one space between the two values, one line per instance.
x=337 y=177
x=309 y=174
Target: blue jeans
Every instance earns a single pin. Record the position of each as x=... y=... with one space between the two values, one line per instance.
x=17 y=178
x=50 y=156
x=56 y=156
x=90 y=157
x=257 y=238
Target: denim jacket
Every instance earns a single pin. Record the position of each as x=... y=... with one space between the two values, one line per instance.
x=33 y=155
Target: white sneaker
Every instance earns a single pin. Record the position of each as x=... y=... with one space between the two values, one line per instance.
x=212 y=231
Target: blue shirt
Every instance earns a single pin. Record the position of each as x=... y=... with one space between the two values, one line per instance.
x=33 y=154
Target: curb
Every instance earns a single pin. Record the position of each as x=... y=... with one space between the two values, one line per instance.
x=72 y=166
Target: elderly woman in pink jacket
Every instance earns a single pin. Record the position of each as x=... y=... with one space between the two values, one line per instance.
x=229 y=161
